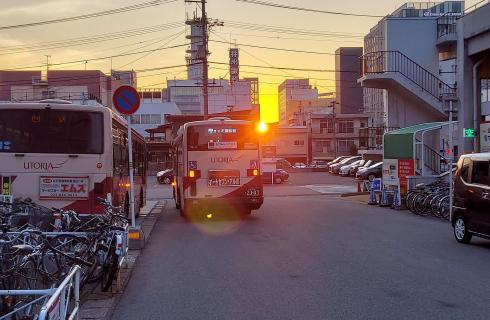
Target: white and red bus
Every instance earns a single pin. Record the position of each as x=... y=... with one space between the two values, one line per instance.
x=64 y=155
x=217 y=166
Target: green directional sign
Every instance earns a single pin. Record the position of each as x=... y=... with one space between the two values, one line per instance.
x=469 y=133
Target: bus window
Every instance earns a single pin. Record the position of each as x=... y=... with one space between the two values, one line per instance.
x=221 y=137
x=51 y=131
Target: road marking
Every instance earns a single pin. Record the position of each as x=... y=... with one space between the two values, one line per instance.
x=330 y=188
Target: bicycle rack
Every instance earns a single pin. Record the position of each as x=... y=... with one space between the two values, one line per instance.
x=58 y=305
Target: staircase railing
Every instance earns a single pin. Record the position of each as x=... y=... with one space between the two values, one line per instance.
x=394 y=61
x=432 y=159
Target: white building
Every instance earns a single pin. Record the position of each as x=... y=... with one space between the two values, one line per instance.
x=409 y=65
x=222 y=97
x=151 y=114
x=291 y=92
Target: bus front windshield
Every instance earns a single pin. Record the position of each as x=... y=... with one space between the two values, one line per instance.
x=221 y=137
x=51 y=131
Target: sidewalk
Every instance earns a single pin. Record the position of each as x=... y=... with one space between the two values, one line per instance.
x=100 y=305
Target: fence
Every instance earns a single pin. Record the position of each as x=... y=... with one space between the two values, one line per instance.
x=58 y=306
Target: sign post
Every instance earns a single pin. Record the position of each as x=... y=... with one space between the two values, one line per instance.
x=126 y=100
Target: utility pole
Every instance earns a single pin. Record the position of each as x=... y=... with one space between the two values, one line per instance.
x=204 y=25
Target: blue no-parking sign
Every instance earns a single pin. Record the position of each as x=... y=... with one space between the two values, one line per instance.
x=126 y=100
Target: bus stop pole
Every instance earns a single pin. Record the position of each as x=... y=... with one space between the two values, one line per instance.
x=131 y=176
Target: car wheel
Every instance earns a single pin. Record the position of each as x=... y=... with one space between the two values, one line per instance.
x=277 y=180
x=371 y=177
x=461 y=232
x=167 y=180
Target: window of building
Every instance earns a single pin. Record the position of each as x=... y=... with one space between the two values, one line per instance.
x=485 y=90
x=346 y=126
x=136 y=119
x=150 y=119
x=345 y=146
x=299 y=142
x=321 y=146
x=326 y=126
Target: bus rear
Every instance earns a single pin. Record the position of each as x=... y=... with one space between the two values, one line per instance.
x=222 y=166
x=55 y=154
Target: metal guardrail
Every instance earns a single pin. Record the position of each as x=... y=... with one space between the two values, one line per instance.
x=58 y=304
x=379 y=62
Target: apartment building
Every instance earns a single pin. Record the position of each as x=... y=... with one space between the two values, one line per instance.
x=349 y=93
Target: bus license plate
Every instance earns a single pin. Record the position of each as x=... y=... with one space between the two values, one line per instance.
x=224 y=182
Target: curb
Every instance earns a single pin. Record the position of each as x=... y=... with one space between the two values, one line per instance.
x=352 y=194
x=100 y=305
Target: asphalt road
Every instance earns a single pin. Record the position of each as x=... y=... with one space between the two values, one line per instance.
x=308 y=255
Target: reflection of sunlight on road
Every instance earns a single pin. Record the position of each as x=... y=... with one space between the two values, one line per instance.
x=216 y=222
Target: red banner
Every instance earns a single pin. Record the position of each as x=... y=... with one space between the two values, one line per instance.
x=406 y=168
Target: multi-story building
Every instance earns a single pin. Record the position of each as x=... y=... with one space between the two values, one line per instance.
x=222 y=96
x=74 y=85
x=335 y=134
x=291 y=91
x=349 y=93
x=407 y=70
x=291 y=142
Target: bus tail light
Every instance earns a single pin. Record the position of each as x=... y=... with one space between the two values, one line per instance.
x=252 y=172
x=194 y=174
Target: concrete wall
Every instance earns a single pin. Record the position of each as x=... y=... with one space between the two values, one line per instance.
x=415 y=38
x=404 y=111
x=349 y=93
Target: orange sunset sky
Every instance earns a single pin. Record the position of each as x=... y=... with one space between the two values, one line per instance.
x=244 y=24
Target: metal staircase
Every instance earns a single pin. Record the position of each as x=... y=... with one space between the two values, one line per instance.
x=408 y=73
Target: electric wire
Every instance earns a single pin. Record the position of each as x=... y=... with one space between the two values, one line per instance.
x=133 y=7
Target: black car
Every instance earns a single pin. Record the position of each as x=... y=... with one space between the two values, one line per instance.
x=471 y=214
x=283 y=164
x=165 y=176
x=370 y=173
x=280 y=176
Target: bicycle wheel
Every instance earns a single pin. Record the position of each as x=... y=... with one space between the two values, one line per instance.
x=56 y=265
x=444 y=207
x=434 y=205
x=111 y=266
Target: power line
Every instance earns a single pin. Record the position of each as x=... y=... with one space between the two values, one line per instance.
x=284 y=49
x=88 y=40
x=282 y=6
x=174 y=37
x=88 y=77
x=284 y=38
x=133 y=7
x=288 y=68
x=100 y=58
x=289 y=30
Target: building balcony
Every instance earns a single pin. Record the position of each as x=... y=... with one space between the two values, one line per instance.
x=446 y=31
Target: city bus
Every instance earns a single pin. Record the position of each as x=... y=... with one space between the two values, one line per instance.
x=63 y=155
x=217 y=166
